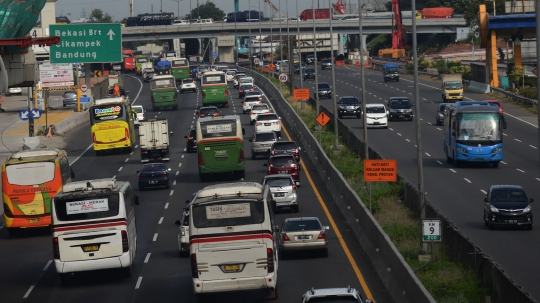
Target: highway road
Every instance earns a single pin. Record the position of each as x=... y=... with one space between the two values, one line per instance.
x=457 y=192
x=160 y=275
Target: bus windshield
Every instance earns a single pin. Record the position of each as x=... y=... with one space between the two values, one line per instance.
x=70 y=208
x=230 y=213
x=218 y=129
x=163 y=83
x=214 y=79
x=142 y=60
x=30 y=173
x=478 y=126
x=107 y=112
x=182 y=62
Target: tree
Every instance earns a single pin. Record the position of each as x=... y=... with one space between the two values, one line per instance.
x=97 y=16
x=206 y=11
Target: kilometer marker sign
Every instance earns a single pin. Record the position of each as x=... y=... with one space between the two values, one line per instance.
x=380 y=171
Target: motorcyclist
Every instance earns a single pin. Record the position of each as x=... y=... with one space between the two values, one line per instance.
x=116 y=90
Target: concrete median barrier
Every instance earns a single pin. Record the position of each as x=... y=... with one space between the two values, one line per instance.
x=70 y=122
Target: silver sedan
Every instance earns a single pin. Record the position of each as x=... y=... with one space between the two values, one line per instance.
x=304 y=233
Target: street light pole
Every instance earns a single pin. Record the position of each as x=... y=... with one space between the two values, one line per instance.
x=178 y=2
x=363 y=81
x=260 y=37
x=315 y=58
x=250 y=42
x=280 y=46
x=538 y=54
x=336 y=141
x=298 y=44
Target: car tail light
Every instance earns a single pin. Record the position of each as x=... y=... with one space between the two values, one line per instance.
x=152 y=99
x=175 y=96
x=201 y=161
x=270 y=258
x=294 y=186
x=194 y=269
x=201 y=115
x=203 y=94
x=127 y=133
x=276 y=122
x=241 y=90
x=190 y=138
x=321 y=236
x=94 y=137
x=125 y=241
x=273 y=152
x=285 y=238
x=142 y=177
x=144 y=152
x=241 y=156
x=260 y=103
x=257 y=123
x=245 y=103
x=56 y=248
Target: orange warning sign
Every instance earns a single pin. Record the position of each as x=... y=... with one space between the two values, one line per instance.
x=380 y=171
x=272 y=66
x=323 y=119
x=301 y=94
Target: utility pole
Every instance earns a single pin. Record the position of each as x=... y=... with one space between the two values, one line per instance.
x=280 y=46
x=291 y=52
x=363 y=81
x=298 y=41
x=250 y=41
x=177 y=2
x=131 y=8
x=336 y=141
x=537 y=4
x=315 y=58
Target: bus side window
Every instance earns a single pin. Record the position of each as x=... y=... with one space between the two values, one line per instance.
x=65 y=169
x=271 y=207
x=129 y=201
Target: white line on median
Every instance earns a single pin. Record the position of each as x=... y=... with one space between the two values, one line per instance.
x=47 y=266
x=155 y=237
x=28 y=292
x=160 y=220
x=139 y=280
x=147 y=257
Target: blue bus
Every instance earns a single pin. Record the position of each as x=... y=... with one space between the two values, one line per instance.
x=473 y=133
x=245 y=16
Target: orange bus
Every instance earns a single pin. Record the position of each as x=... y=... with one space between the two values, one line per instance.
x=30 y=179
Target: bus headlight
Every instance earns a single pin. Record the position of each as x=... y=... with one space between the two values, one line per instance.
x=496 y=150
x=461 y=149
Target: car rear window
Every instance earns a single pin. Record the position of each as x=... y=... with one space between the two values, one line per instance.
x=282 y=161
x=302 y=225
x=138 y=110
x=230 y=213
x=264 y=137
x=259 y=107
x=156 y=167
x=279 y=182
x=267 y=117
x=349 y=101
x=284 y=145
x=206 y=111
x=72 y=208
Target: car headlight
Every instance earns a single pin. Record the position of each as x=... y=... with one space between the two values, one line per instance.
x=447 y=95
x=461 y=149
x=493 y=209
x=393 y=111
x=441 y=115
x=461 y=93
x=527 y=209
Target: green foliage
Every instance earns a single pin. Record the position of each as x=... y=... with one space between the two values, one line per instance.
x=379 y=42
x=97 y=16
x=501 y=53
x=205 y=11
x=423 y=64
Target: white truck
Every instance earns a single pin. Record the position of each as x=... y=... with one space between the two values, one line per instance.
x=154 y=139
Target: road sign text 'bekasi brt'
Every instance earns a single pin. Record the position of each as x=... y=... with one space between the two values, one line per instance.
x=87 y=43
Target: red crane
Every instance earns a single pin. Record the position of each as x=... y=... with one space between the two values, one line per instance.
x=399 y=34
x=340 y=6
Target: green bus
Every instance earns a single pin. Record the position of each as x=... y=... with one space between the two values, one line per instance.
x=214 y=89
x=163 y=92
x=180 y=68
x=140 y=60
x=220 y=146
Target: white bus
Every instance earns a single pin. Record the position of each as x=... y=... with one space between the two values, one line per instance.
x=233 y=239
x=93 y=225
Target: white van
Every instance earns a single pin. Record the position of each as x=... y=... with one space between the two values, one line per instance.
x=93 y=224
x=246 y=80
x=233 y=239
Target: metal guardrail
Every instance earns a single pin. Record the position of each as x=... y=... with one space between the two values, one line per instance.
x=515 y=97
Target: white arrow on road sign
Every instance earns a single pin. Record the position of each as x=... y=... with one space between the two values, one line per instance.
x=36 y=113
x=111 y=34
x=23 y=114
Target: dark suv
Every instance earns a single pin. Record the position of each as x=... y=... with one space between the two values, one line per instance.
x=400 y=108
x=69 y=98
x=309 y=73
x=439 y=113
x=349 y=106
x=507 y=205
x=324 y=90
x=286 y=147
x=191 y=140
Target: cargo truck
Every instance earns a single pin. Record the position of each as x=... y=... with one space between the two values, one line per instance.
x=390 y=71
x=435 y=12
x=154 y=139
x=451 y=87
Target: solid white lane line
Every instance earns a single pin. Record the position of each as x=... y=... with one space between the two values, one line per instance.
x=408 y=140
x=76 y=159
x=532 y=146
x=47 y=266
x=452 y=170
x=483 y=191
x=28 y=292
x=503 y=162
x=160 y=220
x=155 y=237
x=428 y=155
x=147 y=257
x=139 y=280
x=439 y=162
x=179 y=164
x=517 y=140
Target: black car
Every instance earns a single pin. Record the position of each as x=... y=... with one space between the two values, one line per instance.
x=154 y=174
x=309 y=73
x=507 y=205
x=286 y=147
x=324 y=90
x=243 y=89
x=349 y=106
x=400 y=108
x=326 y=63
x=298 y=66
x=439 y=113
x=191 y=140
x=69 y=98
x=208 y=111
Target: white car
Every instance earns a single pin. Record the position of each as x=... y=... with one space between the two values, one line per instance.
x=140 y=114
x=249 y=102
x=268 y=122
x=376 y=115
x=180 y=22
x=237 y=77
x=188 y=84
x=283 y=189
x=230 y=74
x=246 y=80
x=258 y=109
x=14 y=91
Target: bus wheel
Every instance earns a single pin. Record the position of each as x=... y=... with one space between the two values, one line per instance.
x=98 y=153
x=203 y=178
x=273 y=295
x=241 y=175
x=126 y=271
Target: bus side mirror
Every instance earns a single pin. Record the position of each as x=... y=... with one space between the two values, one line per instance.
x=504 y=123
x=485 y=199
x=136 y=200
x=171 y=133
x=72 y=173
x=177 y=222
x=243 y=131
x=187 y=201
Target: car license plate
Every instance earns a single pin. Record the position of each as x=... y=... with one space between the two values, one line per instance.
x=376 y=123
x=283 y=171
x=267 y=124
x=164 y=97
x=152 y=182
x=401 y=116
x=479 y=160
x=33 y=220
x=305 y=237
x=265 y=145
x=511 y=221
x=279 y=195
x=88 y=248
x=231 y=268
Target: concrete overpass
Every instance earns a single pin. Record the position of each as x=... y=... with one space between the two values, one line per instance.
x=370 y=26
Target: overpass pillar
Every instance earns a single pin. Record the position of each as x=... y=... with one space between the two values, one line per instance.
x=364 y=42
x=200 y=45
x=517 y=52
x=491 y=60
x=340 y=44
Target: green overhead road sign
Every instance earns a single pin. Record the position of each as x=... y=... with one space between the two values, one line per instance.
x=86 y=43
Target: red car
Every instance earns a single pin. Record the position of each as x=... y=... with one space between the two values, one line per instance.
x=284 y=164
x=496 y=103
x=208 y=111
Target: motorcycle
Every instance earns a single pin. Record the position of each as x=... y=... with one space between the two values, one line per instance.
x=147 y=77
